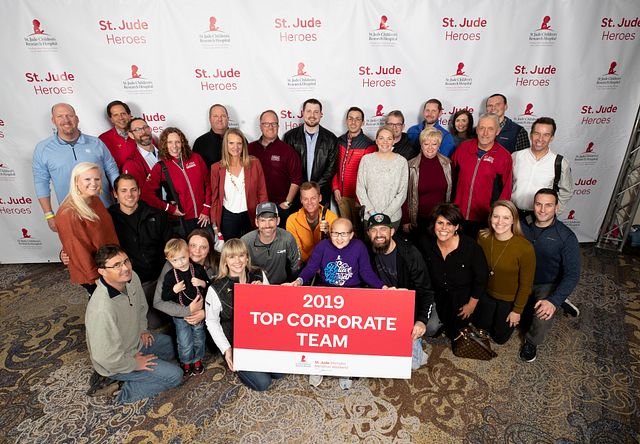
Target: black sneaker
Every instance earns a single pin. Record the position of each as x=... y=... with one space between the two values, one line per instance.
x=186 y=369
x=198 y=368
x=570 y=309
x=528 y=352
x=101 y=385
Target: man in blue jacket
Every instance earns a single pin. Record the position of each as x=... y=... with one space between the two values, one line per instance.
x=557 y=269
x=431 y=112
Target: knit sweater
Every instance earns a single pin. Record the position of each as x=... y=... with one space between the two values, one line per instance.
x=512 y=266
x=114 y=325
x=382 y=184
x=81 y=238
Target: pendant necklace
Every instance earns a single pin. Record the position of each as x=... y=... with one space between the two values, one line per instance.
x=494 y=264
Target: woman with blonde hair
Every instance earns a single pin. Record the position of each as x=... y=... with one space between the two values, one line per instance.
x=429 y=183
x=84 y=224
x=382 y=179
x=512 y=265
x=238 y=187
x=234 y=268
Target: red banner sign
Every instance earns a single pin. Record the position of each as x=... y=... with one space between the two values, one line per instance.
x=323 y=330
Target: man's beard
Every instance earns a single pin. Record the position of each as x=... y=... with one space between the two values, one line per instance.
x=381 y=248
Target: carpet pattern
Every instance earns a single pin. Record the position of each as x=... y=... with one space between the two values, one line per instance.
x=584 y=386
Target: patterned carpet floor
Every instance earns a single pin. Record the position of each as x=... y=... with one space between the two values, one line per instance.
x=583 y=388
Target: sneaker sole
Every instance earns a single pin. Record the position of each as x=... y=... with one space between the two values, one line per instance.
x=570 y=309
x=108 y=390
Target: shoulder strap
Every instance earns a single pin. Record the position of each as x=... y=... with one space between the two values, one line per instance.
x=172 y=190
x=557 y=167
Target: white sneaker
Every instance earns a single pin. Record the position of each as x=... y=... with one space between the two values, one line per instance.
x=315 y=380
x=345 y=383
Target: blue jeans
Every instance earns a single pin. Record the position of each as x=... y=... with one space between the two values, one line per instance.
x=190 y=339
x=259 y=381
x=141 y=384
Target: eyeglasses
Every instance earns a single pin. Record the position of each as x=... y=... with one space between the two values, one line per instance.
x=342 y=234
x=354 y=119
x=142 y=128
x=395 y=125
x=118 y=265
x=269 y=124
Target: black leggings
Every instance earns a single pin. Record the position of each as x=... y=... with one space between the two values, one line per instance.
x=491 y=315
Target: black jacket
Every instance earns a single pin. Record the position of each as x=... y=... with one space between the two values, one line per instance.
x=325 y=160
x=224 y=288
x=209 y=147
x=405 y=147
x=142 y=235
x=462 y=275
x=413 y=275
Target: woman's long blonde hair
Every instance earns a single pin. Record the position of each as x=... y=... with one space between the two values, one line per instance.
x=245 y=159
x=74 y=199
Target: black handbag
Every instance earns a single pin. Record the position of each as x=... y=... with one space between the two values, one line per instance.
x=473 y=343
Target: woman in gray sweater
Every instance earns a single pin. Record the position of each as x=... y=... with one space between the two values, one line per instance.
x=383 y=178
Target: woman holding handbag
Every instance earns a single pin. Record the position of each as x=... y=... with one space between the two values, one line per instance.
x=457 y=267
x=186 y=175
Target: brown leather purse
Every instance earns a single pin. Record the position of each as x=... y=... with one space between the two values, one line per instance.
x=473 y=343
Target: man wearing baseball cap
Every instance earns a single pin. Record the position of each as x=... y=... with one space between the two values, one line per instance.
x=272 y=248
x=399 y=264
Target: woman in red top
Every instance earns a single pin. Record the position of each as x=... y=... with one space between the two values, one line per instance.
x=84 y=224
x=190 y=179
x=238 y=187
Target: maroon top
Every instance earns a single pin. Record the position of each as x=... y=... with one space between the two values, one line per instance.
x=281 y=166
x=432 y=186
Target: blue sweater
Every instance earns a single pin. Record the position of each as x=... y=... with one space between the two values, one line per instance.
x=557 y=258
x=346 y=267
x=447 y=147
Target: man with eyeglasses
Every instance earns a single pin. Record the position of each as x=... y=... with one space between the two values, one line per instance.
x=280 y=163
x=272 y=248
x=401 y=143
x=352 y=146
x=120 y=345
x=431 y=112
x=145 y=155
x=117 y=139
x=54 y=159
x=209 y=145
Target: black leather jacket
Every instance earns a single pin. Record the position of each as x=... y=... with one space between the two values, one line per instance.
x=325 y=160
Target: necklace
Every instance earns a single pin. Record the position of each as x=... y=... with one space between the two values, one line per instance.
x=183 y=293
x=233 y=182
x=494 y=264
